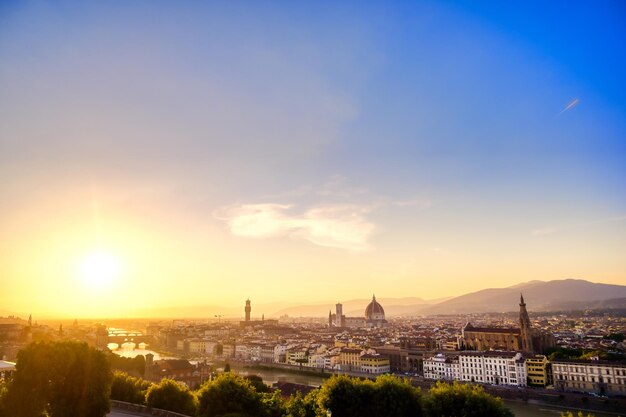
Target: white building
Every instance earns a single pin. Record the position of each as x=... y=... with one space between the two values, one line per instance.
x=210 y=346
x=493 y=367
x=602 y=377
x=196 y=346
x=280 y=353
x=242 y=352
x=443 y=367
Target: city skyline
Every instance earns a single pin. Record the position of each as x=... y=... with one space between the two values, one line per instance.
x=155 y=155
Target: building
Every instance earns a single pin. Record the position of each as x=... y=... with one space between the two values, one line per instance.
x=6 y=369
x=524 y=338
x=539 y=371
x=442 y=367
x=374 y=317
x=350 y=359
x=177 y=369
x=496 y=368
x=375 y=314
x=340 y=320
x=372 y=363
x=297 y=356
x=247 y=322
x=584 y=375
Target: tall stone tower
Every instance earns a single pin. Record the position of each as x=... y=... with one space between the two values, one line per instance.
x=248 y=309
x=339 y=315
x=330 y=319
x=524 y=327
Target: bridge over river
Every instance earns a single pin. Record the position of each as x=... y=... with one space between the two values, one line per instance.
x=121 y=337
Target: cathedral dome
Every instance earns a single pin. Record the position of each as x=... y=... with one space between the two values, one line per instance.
x=374 y=311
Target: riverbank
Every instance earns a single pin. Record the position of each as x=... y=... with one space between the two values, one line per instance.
x=524 y=402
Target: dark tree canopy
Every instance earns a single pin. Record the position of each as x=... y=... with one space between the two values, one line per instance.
x=388 y=396
x=133 y=366
x=129 y=389
x=61 y=379
x=303 y=406
x=258 y=384
x=172 y=396
x=229 y=394
x=468 y=400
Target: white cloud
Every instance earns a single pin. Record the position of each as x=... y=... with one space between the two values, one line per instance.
x=570 y=105
x=336 y=226
x=418 y=202
x=544 y=231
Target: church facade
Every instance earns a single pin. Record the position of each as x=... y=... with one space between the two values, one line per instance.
x=524 y=338
x=374 y=317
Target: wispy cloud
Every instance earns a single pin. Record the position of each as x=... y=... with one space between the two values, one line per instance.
x=570 y=105
x=543 y=231
x=550 y=230
x=336 y=226
x=414 y=202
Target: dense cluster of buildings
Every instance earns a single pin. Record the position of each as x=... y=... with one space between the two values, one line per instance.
x=500 y=349
x=370 y=345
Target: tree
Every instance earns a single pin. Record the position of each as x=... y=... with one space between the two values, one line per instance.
x=3 y=393
x=387 y=396
x=129 y=389
x=302 y=406
x=396 y=397
x=466 y=400
x=579 y=414
x=258 y=384
x=172 y=396
x=133 y=366
x=60 y=379
x=617 y=337
x=230 y=394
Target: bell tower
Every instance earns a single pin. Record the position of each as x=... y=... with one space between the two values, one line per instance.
x=248 y=309
x=524 y=327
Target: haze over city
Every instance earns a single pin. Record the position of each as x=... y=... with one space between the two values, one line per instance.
x=199 y=154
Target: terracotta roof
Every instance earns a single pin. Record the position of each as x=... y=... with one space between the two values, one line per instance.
x=470 y=328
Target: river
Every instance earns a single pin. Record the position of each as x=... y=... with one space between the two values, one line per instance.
x=270 y=376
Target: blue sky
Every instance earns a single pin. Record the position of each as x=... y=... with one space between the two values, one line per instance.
x=409 y=135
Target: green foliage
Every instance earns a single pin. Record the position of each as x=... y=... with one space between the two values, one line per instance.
x=273 y=404
x=387 y=396
x=617 y=337
x=60 y=379
x=129 y=389
x=172 y=396
x=3 y=393
x=465 y=400
x=579 y=414
x=258 y=384
x=303 y=406
x=133 y=366
x=563 y=353
x=230 y=394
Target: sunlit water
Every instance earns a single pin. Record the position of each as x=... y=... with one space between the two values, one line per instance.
x=130 y=350
x=270 y=376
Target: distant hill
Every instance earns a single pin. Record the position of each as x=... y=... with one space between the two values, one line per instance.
x=539 y=296
x=356 y=308
x=567 y=294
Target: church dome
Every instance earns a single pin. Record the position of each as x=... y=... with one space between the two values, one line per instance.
x=374 y=311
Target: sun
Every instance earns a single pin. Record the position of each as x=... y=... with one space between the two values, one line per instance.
x=99 y=270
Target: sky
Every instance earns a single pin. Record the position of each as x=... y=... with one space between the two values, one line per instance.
x=159 y=154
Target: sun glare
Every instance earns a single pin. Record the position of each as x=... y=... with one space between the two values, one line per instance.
x=99 y=270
